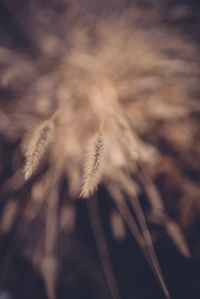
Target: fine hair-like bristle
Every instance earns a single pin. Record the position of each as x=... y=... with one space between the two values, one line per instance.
x=94 y=163
x=37 y=147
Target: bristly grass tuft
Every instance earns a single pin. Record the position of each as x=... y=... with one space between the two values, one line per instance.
x=37 y=147
x=94 y=164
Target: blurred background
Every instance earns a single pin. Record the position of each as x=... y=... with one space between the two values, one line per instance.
x=94 y=253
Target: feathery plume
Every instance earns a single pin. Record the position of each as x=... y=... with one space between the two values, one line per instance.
x=94 y=163
x=37 y=147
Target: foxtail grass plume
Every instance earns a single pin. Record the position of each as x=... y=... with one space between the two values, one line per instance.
x=37 y=147
x=94 y=165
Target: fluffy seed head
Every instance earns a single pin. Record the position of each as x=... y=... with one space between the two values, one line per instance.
x=94 y=165
x=37 y=147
